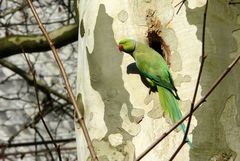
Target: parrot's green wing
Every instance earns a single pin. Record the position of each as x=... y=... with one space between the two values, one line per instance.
x=157 y=80
x=155 y=68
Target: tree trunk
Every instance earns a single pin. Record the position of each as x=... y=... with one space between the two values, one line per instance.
x=122 y=117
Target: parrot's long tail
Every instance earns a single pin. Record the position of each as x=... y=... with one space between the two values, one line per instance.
x=170 y=106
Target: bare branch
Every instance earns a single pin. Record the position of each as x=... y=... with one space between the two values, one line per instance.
x=68 y=87
x=203 y=57
x=40 y=85
x=39 y=151
x=233 y=3
x=13 y=145
x=2 y=14
x=45 y=144
x=35 y=120
x=12 y=45
x=39 y=106
x=181 y=4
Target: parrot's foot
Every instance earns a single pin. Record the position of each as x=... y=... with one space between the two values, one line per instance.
x=177 y=97
x=152 y=89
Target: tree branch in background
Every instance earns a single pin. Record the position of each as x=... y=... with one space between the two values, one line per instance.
x=67 y=84
x=28 y=77
x=2 y=14
x=32 y=70
x=24 y=144
x=43 y=88
x=23 y=153
x=45 y=144
x=14 y=44
x=36 y=119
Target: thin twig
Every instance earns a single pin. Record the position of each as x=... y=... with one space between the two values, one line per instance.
x=230 y=3
x=39 y=151
x=39 y=106
x=7 y=78
x=178 y=4
x=35 y=120
x=197 y=105
x=39 y=84
x=67 y=84
x=2 y=154
x=45 y=144
x=13 y=145
x=181 y=4
x=203 y=57
x=35 y=145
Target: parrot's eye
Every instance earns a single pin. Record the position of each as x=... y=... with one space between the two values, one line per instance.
x=120 y=47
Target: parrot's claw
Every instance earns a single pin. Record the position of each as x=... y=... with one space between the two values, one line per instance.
x=150 y=90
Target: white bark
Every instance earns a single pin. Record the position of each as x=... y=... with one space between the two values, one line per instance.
x=114 y=101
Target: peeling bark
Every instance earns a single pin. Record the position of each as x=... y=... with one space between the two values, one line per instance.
x=118 y=109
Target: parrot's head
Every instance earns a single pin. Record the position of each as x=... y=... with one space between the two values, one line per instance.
x=127 y=45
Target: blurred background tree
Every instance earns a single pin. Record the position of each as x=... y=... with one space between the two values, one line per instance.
x=22 y=134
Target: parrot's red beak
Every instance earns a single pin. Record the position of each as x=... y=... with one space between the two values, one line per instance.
x=120 y=47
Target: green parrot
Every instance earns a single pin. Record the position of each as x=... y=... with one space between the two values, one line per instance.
x=154 y=68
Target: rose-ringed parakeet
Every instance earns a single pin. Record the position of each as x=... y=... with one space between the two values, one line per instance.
x=154 y=68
